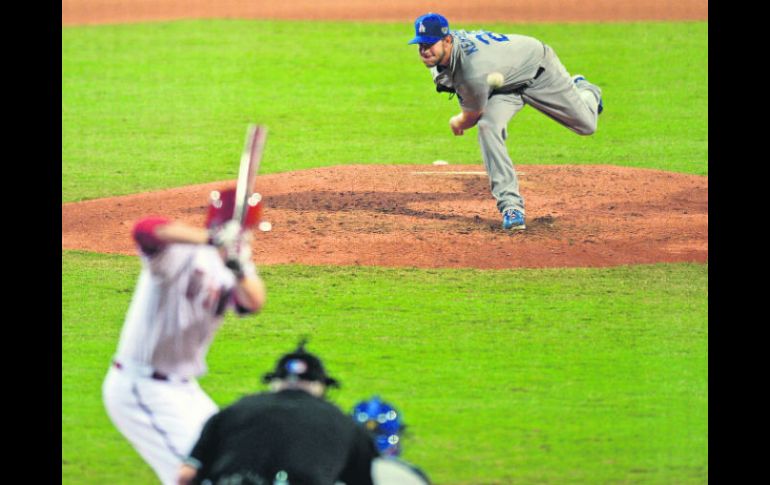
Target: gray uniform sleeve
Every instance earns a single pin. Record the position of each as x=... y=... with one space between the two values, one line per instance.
x=473 y=94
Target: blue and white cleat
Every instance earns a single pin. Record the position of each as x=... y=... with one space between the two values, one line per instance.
x=513 y=219
x=578 y=78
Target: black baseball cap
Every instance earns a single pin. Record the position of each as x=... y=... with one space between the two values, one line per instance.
x=430 y=28
x=300 y=364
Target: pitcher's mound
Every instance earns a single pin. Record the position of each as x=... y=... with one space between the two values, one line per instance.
x=437 y=216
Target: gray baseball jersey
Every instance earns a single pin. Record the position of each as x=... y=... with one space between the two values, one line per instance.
x=478 y=53
x=533 y=75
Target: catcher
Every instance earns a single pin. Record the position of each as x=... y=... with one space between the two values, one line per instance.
x=383 y=421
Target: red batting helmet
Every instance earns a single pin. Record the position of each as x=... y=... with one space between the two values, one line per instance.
x=222 y=206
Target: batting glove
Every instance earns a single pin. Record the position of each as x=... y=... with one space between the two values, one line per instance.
x=228 y=234
x=238 y=256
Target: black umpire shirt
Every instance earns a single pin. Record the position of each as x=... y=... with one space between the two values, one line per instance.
x=288 y=435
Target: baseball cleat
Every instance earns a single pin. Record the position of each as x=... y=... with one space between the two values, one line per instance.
x=513 y=219
x=579 y=77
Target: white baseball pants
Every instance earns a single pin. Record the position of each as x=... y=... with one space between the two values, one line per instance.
x=161 y=419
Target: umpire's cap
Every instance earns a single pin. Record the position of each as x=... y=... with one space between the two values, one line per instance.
x=300 y=365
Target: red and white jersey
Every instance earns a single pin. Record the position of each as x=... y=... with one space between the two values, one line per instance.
x=179 y=302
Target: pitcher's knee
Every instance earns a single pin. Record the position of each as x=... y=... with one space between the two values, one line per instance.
x=585 y=128
x=487 y=127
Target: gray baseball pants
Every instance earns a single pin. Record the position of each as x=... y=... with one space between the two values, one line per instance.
x=552 y=93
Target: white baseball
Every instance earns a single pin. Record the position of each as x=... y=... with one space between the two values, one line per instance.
x=265 y=226
x=495 y=79
x=440 y=162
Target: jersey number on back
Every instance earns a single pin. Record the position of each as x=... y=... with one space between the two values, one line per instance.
x=491 y=35
x=468 y=45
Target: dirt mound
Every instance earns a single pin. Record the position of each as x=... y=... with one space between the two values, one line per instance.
x=438 y=216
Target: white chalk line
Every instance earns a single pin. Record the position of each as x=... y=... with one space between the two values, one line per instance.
x=449 y=173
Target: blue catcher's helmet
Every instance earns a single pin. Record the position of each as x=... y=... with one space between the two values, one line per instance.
x=383 y=421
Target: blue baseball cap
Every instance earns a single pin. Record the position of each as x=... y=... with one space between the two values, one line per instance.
x=430 y=28
x=383 y=422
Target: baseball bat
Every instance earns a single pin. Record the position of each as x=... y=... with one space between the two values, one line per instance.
x=251 y=158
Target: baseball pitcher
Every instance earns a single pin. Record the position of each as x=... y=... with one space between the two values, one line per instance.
x=494 y=76
x=190 y=276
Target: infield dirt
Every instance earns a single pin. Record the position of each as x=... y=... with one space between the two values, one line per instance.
x=79 y=12
x=437 y=216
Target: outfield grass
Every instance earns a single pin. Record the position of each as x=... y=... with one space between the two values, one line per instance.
x=521 y=376
x=161 y=105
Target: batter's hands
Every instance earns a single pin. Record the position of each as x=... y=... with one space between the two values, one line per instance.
x=226 y=235
x=235 y=244
x=455 y=123
x=238 y=256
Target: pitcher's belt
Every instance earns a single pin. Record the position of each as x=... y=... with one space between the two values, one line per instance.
x=518 y=88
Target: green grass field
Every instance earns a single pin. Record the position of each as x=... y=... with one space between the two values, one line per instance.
x=165 y=105
x=566 y=376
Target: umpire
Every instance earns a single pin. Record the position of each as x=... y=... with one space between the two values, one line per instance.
x=290 y=434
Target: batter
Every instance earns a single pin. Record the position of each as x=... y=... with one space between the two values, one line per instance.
x=190 y=276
